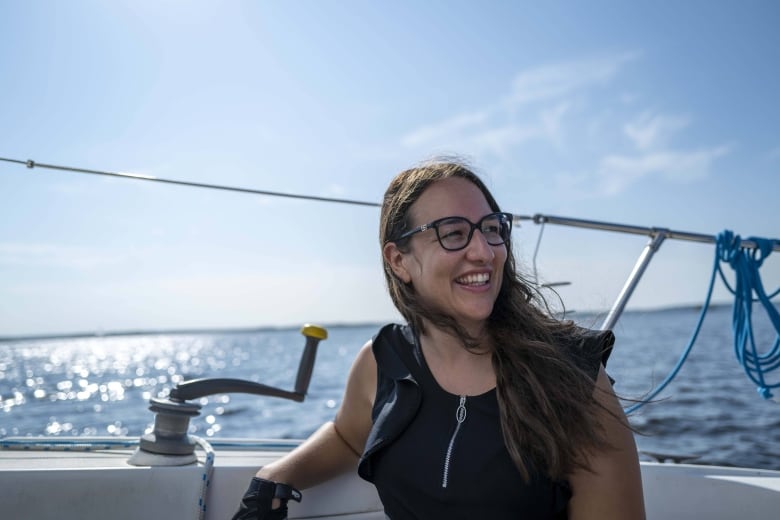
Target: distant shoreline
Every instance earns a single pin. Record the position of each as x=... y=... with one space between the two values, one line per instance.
x=153 y=332
x=272 y=328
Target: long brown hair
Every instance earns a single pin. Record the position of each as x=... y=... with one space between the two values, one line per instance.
x=548 y=414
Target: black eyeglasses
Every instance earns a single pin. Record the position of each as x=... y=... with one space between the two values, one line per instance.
x=454 y=233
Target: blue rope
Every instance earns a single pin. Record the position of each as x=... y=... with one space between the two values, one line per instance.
x=658 y=389
x=746 y=264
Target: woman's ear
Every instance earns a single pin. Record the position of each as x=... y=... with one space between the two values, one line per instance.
x=395 y=259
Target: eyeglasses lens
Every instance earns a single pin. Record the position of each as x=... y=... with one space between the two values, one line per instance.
x=455 y=233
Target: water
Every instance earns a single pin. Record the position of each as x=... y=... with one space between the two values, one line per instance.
x=101 y=385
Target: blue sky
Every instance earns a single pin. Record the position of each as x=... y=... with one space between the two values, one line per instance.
x=654 y=114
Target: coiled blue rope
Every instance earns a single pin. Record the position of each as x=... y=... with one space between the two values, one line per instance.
x=746 y=264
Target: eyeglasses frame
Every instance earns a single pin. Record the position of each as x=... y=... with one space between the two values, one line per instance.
x=478 y=225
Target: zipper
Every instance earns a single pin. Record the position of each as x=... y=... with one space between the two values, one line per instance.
x=460 y=416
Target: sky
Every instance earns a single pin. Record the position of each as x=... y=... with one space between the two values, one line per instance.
x=654 y=114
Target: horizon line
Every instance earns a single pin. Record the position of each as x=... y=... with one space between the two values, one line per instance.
x=280 y=328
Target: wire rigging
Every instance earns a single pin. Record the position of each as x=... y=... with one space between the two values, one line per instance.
x=32 y=164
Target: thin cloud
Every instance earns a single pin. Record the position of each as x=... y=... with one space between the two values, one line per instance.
x=495 y=128
x=498 y=140
x=546 y=104
x=562 y=79
x=651 y=130
x=617 y=172
x=444 y=129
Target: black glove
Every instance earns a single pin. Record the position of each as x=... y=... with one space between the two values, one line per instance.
x=256 y=503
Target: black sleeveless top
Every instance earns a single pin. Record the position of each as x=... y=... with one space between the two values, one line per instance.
x=432 y=454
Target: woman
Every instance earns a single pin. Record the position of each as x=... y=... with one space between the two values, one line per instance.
x=483 y=406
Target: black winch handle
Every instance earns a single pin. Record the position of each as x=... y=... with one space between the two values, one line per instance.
x=197 y=388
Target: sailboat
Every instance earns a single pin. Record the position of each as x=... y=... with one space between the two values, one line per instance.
x=171 y=474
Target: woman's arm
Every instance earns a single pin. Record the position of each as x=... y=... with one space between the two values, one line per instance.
x=336 y=446
x=612 y=489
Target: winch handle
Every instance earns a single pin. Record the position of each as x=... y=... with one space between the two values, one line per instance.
x=197 y=388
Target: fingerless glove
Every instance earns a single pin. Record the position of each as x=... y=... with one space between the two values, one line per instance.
x=256 y=503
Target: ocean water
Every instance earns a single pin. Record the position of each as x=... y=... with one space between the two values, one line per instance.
x=102 y=385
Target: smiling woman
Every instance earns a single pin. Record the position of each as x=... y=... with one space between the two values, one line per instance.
x=512 y=405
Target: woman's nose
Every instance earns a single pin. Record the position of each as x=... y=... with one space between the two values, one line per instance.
x=478 y=248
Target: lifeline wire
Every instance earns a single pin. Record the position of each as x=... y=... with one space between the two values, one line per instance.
x=32 y=164
x=66 y=444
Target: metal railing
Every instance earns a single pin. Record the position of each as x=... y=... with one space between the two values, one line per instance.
x=657 y=237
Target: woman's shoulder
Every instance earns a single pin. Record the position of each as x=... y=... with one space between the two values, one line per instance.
x=392 y=346
x=393 y=333
x=588 y=348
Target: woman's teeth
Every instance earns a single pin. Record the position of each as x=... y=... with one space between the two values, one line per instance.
x=474 y=279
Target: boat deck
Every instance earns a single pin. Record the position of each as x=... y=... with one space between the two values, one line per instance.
x=99 y=483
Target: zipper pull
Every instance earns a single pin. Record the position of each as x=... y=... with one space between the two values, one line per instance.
x=460 y=413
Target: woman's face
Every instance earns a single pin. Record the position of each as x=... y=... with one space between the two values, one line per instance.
x=463 y=284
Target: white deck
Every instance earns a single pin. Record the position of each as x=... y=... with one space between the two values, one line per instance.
x=99 y=485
